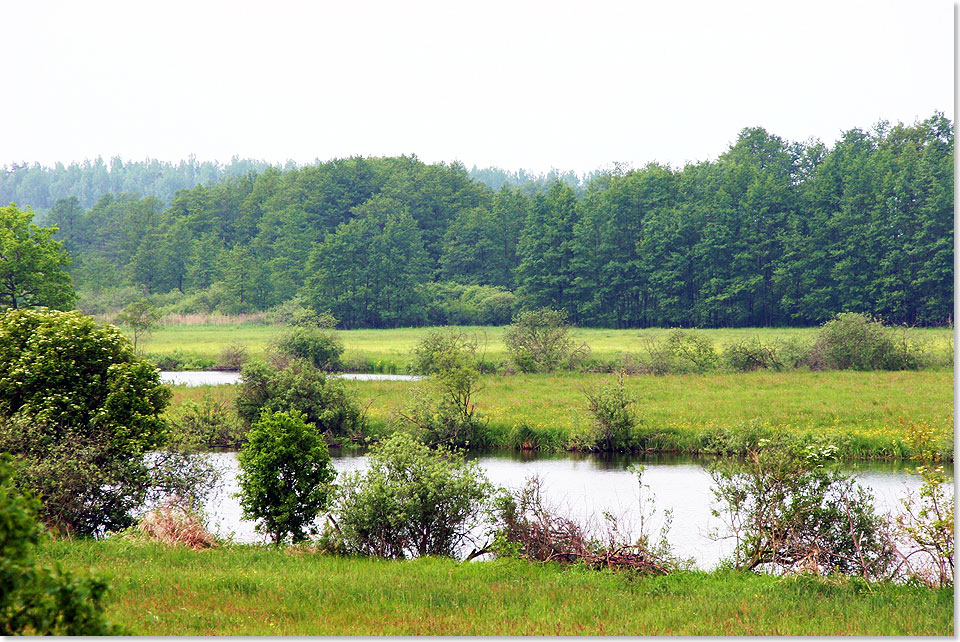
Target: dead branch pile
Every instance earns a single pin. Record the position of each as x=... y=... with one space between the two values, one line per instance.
x=535 y=532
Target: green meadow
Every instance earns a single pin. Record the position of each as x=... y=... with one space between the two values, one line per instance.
x=865 y=414
x=396 y=345
x=160 y=590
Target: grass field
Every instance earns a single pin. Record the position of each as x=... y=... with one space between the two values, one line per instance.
x=246 y=590
x=395 y=346
x=864 y=413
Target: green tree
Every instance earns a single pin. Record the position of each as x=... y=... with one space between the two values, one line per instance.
x=32 y=264
x=285 y=475
x=79 y=411
x=142 y=317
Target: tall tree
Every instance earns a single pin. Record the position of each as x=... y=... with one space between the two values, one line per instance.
x=32 y=264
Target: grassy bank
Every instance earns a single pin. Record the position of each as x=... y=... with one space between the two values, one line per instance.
x=394 y=347
x=866 y=414
x=245 y=590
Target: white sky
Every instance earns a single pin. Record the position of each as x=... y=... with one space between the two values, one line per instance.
x=572 y=85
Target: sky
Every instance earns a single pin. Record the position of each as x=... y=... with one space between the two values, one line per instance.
x=534 y=85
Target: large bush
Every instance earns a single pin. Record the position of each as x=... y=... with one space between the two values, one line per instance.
x=412 y=501
x=852 y=341
x=540 y=341
x=320 y=347
x=787 y=510
x=80 y=411
x=297 y=385
x=285 y=473
x=38 y=600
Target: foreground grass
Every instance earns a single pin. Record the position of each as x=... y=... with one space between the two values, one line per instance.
x=246 y=590
x=394 y=347
x=865 y=414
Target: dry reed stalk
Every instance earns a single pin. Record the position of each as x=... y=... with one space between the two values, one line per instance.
x=172 y=524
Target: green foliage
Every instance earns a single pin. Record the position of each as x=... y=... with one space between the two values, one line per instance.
x=208 y=423
x=32 y=264
x=679 y=352
x=276 y=386
x=613 y=420
x=412 y=501
x=852 y=341
x=753 y=354
x=34 y=599
x=540 y=341
x=80 y=411
x=285 y=475
x=786 y=510
x=320 y=347
x=443 y=407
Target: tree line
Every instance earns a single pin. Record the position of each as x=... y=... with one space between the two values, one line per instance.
x=771 y=233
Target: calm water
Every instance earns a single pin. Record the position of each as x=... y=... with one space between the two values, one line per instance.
x=213 y=378
x=586 y=486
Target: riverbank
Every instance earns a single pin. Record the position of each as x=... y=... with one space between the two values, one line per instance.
x=864 y=414
x=250 y=590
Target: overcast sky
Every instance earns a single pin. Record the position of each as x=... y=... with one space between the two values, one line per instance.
x=535 y=85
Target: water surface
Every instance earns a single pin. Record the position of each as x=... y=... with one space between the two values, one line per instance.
x=586 y=486
x=217 y=378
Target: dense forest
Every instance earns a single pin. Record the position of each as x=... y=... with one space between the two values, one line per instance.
x=771 y=233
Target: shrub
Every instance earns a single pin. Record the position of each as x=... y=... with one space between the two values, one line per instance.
x=284 y=478
x=540 y=341
x=752 y=354
x=436 y=351
x=852 y=341
x=204 y=424
x=443 y=407
x=37 y=600
x=412 y=501
x=681 y=351
x=613 y=421
x=786 y=511
x=80 y=411
x=232 y=357
x=298 y=385
x=320 y=347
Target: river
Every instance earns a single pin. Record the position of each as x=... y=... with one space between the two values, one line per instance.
x=585 y=486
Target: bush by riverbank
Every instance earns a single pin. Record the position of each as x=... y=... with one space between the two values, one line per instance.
x=251 y=590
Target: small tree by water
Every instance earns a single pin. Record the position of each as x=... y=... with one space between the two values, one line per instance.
x=285 y=475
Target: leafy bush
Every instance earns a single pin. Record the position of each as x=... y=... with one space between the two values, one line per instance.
x=752 y=354
x=787 y=511
x=294 y=312
x=412 y=501
x=178 y=360
x=285 y=475
x=322 y=348
x=204 y=424
x=443 y=406
x=681 y=351
x=852 y=341
x=37 y=600
x=80 y=411
x=613 y=421
x=449 y=303
x=439 y=348
x=540 y=341
x=277 y=386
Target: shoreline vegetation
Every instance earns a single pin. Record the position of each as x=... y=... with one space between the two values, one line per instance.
x=864 y=414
